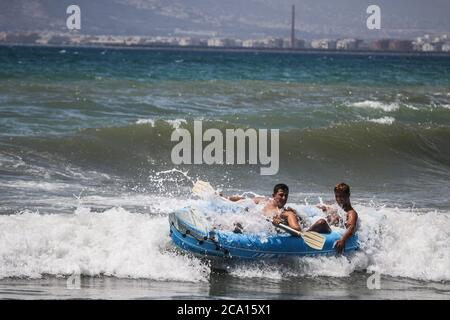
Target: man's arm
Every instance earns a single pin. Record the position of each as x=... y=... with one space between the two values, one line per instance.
x=326 y=208
x=351 y=228
x=235 y=198
x=258 y=200
x=291 y=216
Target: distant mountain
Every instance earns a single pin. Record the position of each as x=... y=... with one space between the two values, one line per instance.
x=234 y=18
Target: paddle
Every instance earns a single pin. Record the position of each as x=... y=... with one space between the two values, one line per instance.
x=203 y=189
x=315 y=240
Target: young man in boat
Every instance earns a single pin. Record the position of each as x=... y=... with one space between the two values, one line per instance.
x=275 y=207
x=349 y=221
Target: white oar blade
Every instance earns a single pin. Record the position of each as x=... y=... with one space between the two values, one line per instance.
x=203 y=189
x=313 y=239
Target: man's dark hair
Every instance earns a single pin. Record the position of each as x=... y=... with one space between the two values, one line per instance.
x=281 y=186
x=342 y=188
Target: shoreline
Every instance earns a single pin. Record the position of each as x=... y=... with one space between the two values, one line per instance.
x=333 y=52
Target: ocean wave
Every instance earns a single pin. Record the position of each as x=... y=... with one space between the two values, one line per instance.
x=120 y=243
x=384 y=120
x=175 y=123
x=365 y=150
x=36 y=185
x=394 y=242
x=146 y=121
x=113 y=243
x=387 y=107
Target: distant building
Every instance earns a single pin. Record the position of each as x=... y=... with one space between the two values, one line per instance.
x=430 y=47
x=59 y=39
x=400 y=45
x=159 y=41
x=347 y=44
x=76 y=39
x=363 y=45
x=23 y=37
x=417 y=44
x=221 y=42
x=238 y=43
x=105 y=40
x=253 y=43
x=247 y=43
x=323 y=44
x=273 y=43
x=299 y=44
x=436 y=39
x=446 y=47
x=419 y=40
x=189 y=42
x=132 y=40
x=382 y=44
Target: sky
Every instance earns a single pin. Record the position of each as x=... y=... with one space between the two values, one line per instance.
x=231 y=18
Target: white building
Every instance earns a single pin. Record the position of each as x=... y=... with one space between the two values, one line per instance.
x=346 y=44
x=221 y=42
x=273 y=43
x=253 y=44
x=189 y=41
x=323 y=44
x=132 y=40
x=298 y=43
x=446 y=47
x=429 y=47
x=419 y=41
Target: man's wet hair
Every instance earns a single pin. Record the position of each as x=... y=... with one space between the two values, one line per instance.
x=342 y=188
x=281 y=186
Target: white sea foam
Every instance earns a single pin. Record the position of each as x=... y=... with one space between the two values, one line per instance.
x=115 y=243
x=393 y=242
x=175 y=123
x=121 y=243
x=34 y=185
x=7 y=160
x=383 y=120
x=257 y=270
x=146 y=121
x=387 y=107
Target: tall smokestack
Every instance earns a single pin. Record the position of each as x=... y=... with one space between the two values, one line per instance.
x=293 y=27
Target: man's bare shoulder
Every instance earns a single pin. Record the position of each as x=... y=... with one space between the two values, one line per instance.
x=290 y=209
x=352 y=214
x=258 y=200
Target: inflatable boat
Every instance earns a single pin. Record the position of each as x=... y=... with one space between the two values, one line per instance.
x=191 y=232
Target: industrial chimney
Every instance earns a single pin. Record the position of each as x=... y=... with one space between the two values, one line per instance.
x=293 y=28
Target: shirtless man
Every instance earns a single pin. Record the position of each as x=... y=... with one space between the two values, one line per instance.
x=342 y=196
x=274 y=207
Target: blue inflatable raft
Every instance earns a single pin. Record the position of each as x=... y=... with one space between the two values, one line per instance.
x=191 y=232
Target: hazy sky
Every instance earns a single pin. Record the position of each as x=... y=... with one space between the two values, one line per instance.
x=236 y=18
